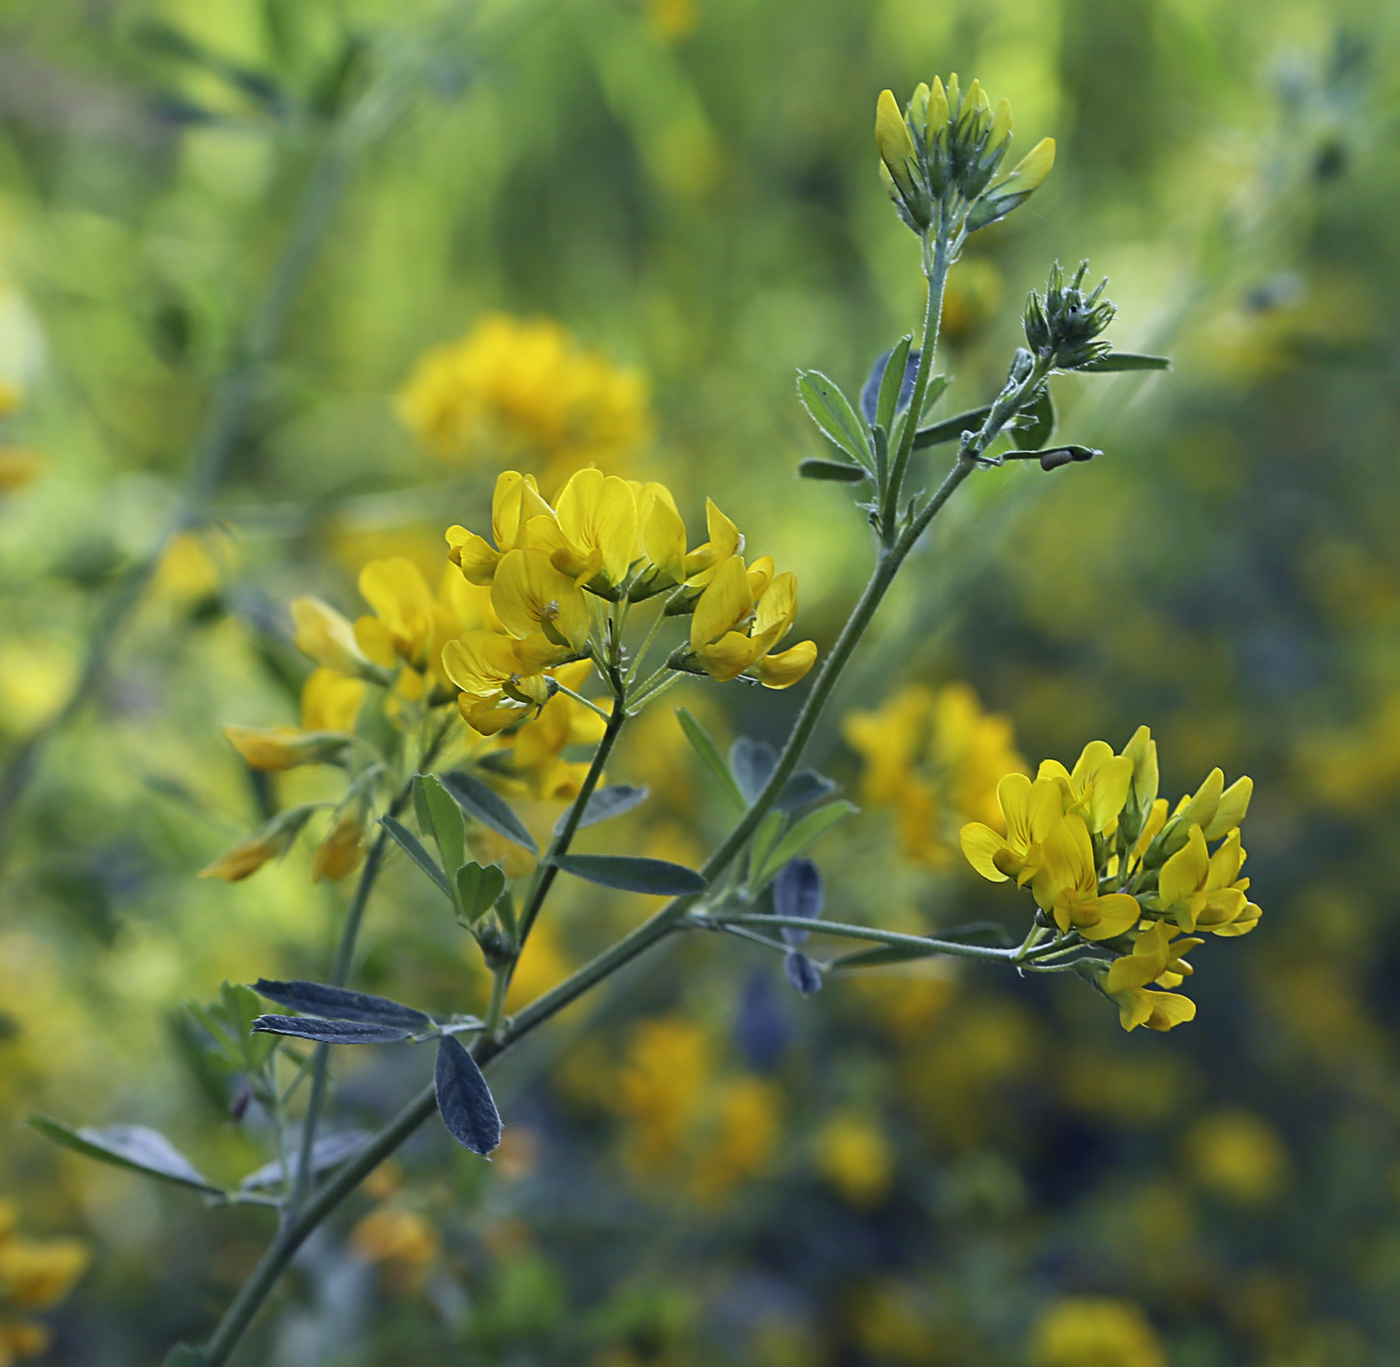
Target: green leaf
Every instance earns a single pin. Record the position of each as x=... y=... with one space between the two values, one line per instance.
x=1034 y=425
x=481 y=802
x=606 y=803
x=764 y=838
x=185 y=1355
x=630 y=873
x=890 y=384
x=802 y=789
x=443 y=819
x=810 y=828
x=704 y=746
x=242 y=1007
x=1125 y=360
x=831 y=410
x=478 y=887
x=839 y=471
x=951 y=429
x=415 y=851
x=133 y=1147
x=934 y=390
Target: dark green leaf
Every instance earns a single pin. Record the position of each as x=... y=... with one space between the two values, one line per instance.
x=1034 y=425
x=764 y=838
x=896 y=384
x=329 y=1152
x=331 y=1031
x=340 y=1004
x=631 y=873
x=752 y=763
x=413 y=847
x=810 y=828
x=703 y=744
x=478 y=888
x=1125 y=360
x=836 y=470
x=439 y=815
x=804 y=787
x=464 y=1099
x=605 y=803
x=481 y=802
x=129 y=1146
x=951 y=429
x=831 y=410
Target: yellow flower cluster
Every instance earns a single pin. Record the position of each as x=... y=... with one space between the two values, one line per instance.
x=934 y=757
x=35 y=1274
x=1095 y=1331
x=523 y=390
x=1109 y=866
x=511 y=635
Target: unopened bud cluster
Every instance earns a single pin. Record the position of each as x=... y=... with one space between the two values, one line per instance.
x=1063 y=324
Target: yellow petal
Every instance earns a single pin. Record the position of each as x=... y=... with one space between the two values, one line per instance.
x=1185 y=872
x=377 y=641
x=728 y=657
x=981 y=844
x=476 y=557
x=1117 y=912
x=1036 y=165
x=726 y=603
x=1232 y=808
x=330 y=701
x=662 y=532
x=326 y=636
x=480 y=662
x=787 y=668
x=1168 y=1010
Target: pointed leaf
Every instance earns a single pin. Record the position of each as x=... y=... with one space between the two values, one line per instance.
x=704 y=746
x=1125 y=360
x=444 y=820
x=802 y=973
x=331 y=1032
x=483 y=803
x=631 y=873
x=752 y=763
x=811 y=827
x=890 y=384
x=478 y=887
x=933 y=391
x=413 y=847
x=831 y=410
x=804 y=787
x=464 y=1099
x=129 y=1146
x=797 y=891
x=835 y=470
x=328 y=1152
x=340 y=1004
x=606 y=803
x=951 y=429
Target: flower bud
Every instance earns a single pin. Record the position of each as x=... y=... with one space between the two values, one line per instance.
x=249 y=855
x=326 y=636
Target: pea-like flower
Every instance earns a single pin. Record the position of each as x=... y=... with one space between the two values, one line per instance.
x=1204 y=891
x=1032 y=811
x=1067 y=886
x=1097 y=787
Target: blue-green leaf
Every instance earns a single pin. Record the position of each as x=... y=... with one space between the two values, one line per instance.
x=831 y=410
x=802 y=973
x=1125 y=360
x=340 y=1004
x=413 y=847
x=797 y=891
x=837 y=470
x=704 y=746
x=803 y=788
x=483 y=803
x=465 y=1101
x=632 y=873
x=331 y=1032
x=752 y=763
x=606 y=803
x=129 y=1146
x=951 y=429
x=330 y=1151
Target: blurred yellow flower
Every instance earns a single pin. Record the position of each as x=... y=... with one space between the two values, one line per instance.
x=525 y=391
x=673 y=20
x=35 y=1274
x=1238 y=1155
x=403 y=1243
x=1092 y=1331
x=855 y=1157
x=660 y=1090
x=743 y=1140
x=19 y=465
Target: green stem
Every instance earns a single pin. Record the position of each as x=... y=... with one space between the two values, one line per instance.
x=886 y=937
x=500 y=984
x=644 y=647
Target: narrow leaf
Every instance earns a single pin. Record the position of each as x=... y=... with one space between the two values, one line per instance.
x=481 y=802
x=464 y=1099
x=934 y=390
x=752 y=763
x=811 y=827
x=331 y=1032
x=631 y=873
x=831 y=410
x=951 y=429
x=804 y=787
x=896 y=385
x=478 y=888
x=703 y=744
x=1126 y=360
x=802 y=973
x=797 y=891
x=328 y=1152
x=606 y=803
x=129 y=1146
x=444 y=819
x=413 y=847
x=836 y=470
x=340 y=1003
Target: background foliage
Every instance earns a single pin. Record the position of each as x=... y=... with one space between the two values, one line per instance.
x=700 y=1166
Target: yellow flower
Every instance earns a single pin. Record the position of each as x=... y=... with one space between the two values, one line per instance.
x=1098 y=786
x=1204 y=891
x=402 y=625
x=1032 y=812
x=1067 y=885
x=1090 y=1331
x=660 y=542
x=1213 y=807
x=327 y=637
x=330 y=701
x=598 y=522
x=18 y=466
x=402 y=1242
x=705 y=561
x=1238 y=1155
x=249 y=855
x=343 y=849
x=515 y=387
x=534 y=600
x=730 y=634
x=897 y=151
x=329 y=705
x=1156 y=958
x=515 y=504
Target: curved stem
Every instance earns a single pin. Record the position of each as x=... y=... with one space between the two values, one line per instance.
x=849 y=932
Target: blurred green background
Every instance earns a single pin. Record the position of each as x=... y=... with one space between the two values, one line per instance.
x=941 y=1167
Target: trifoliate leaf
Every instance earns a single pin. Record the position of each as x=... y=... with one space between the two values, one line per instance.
x=465 y=1101
x=752 y=763
x=481 y=802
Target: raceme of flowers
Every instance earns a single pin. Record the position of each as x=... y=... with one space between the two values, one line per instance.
x=516 y=628
x=522 y=390
x=1114 y=872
